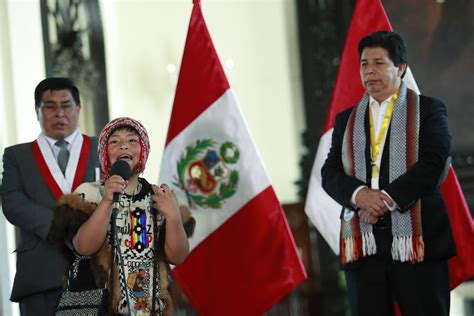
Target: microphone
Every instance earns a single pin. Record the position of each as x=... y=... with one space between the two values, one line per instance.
x=120 y=168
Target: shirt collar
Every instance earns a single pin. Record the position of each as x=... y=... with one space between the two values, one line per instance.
x=374 y=102
x=69 y=139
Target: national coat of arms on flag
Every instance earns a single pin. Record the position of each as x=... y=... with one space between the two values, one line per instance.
x=205 y=174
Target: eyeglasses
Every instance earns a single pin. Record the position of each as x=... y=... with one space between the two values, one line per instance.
x=50 y=108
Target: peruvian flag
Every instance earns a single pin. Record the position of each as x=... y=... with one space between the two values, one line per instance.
x=369 y=16
x=243 y=258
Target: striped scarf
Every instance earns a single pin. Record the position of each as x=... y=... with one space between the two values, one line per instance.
x=357 y=238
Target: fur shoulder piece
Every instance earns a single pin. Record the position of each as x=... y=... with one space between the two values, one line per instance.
x=189 y=223
x=70 y=213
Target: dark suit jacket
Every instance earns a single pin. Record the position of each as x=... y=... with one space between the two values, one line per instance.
x=420 y=182
x=28 y=204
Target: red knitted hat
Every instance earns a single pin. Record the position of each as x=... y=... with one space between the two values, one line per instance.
x=102 y=148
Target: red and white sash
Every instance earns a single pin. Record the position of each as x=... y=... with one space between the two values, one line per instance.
x=58 y=183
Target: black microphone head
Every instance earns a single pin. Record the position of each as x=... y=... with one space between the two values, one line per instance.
x=121 y=168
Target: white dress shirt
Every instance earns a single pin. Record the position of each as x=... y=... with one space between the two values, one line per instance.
x=56 y=149
x=378 y=112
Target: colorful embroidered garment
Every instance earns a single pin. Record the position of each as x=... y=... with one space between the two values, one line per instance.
x=357 y=238
x=136 y=236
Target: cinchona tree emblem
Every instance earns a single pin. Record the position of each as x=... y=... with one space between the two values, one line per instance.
x=205 y=174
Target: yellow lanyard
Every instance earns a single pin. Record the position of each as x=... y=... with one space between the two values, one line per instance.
x=375 y=143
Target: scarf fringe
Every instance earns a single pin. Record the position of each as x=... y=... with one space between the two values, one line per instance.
x=408 y=248
x=368 y=244
x=354 y=248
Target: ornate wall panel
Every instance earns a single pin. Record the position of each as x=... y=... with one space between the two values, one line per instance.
x=74 y=48
x=322 y=26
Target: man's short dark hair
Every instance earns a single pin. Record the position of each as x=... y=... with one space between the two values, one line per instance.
x=56 y=83
x=391 y=41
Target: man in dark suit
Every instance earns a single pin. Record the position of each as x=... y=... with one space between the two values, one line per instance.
x=35 y=175
x=387 y=156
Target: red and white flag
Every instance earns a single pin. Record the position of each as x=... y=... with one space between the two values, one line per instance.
x=369 y=16
x=243 y=258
